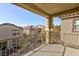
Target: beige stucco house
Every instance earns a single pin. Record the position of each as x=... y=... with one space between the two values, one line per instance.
x=9 y=36
x=70 y=29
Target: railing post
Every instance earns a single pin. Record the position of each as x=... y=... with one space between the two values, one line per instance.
x=48 y=29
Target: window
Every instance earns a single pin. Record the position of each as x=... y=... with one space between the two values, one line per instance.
x=15 y=32
x=3 y=45
x=76 y=25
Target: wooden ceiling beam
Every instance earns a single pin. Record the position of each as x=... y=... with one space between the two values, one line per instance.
x=66 y=12
x=33 y=8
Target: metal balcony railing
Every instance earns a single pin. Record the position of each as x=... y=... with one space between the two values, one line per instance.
x=69 y=39
x=21 y=45
x=55 y=37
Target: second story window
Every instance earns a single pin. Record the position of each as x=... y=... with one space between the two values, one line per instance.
x=15 y=32
x=76 y=25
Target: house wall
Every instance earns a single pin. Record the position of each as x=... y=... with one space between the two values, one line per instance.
x=68 y=35
x=9 y=44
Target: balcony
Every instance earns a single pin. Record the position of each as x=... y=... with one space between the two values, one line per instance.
x=40 y=48
x=61 y=43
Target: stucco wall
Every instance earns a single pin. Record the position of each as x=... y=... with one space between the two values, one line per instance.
x=67 y=34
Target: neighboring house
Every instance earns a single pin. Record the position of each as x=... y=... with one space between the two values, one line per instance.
x=9 y=36
x=70 y=29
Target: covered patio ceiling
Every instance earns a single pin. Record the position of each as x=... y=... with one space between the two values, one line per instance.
x=50 y=9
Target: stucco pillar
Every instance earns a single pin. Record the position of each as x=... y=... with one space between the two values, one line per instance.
x=48 y=29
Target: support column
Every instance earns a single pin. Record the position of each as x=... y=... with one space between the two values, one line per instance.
x=48 y=29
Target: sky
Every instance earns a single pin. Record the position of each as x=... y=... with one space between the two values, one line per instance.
x=10 y=13
x=57 y=21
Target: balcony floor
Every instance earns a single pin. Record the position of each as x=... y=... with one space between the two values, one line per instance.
x=49 y=50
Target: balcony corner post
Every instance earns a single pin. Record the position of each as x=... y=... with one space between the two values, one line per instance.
x=48 y=29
